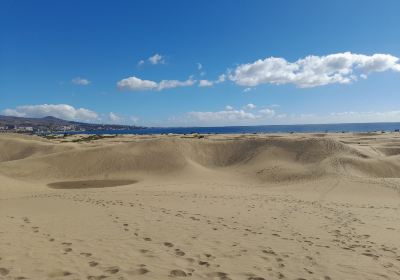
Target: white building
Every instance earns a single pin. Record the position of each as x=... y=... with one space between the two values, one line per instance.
x=25 y=128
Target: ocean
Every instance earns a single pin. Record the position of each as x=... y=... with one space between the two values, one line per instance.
x=300 y=128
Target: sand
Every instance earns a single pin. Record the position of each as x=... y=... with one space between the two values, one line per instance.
x=282 y=206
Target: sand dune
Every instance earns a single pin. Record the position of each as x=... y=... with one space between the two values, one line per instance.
x=289 y=206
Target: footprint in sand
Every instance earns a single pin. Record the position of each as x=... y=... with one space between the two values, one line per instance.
x=4 y=271
x=100 y=277
x=218 y=275
x=179 y=252
x=86 y=254
x=93 y=263
x=168 y=244
x=67 y=250
x=178 y=273
x=139 y=271
x=59 y=273
x=206 y=264
x=112 y=270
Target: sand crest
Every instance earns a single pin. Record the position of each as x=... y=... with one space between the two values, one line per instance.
x=282 y=206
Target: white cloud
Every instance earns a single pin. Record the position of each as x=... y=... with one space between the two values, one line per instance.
x=156 y=59
x=136 y=84
x=369 y=116
x=134 y=119
x=270 y=116
x=80 y=81
x=165 y=84
x=141 y=62
x=13 y=112
x=208 y=83
x=267 y=112
x=205 y=83
x=222 y=116
x=200 y=67
x=231 y=116
x=250 y=106
x=62 y=111
x=221 y=78
x=313 y=71
x=247 y=89
x=114 y=117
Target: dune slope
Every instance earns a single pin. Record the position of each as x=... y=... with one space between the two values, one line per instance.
x=306 y=206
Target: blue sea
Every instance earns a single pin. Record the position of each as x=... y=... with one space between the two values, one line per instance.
x=301 y=128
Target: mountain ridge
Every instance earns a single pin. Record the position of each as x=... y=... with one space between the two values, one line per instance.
x=52 y=122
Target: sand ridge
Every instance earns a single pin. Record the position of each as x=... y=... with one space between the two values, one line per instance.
x=282 y=206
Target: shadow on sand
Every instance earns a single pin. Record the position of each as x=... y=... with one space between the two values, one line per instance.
x=87 y=184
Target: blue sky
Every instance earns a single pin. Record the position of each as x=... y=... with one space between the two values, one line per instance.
x=262 y=62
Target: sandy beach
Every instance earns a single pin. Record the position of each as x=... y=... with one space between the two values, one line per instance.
x=278 y=206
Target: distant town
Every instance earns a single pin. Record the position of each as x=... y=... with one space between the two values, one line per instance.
x=48 y=125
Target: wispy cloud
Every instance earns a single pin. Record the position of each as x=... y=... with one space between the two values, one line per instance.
x=80 y=81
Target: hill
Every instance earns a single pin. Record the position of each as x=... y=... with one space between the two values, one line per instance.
x=50 y=124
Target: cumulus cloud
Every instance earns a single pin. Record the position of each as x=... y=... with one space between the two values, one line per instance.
x=199 y=66
x=136 y=84
x=141 y=62
x=62 y=111
x=369 y=116
x=13 y=112
x=80 y=81
x=267 y=112
x=232 y=116
x=313 y=71
x=250 y=106
x=222 y=116
x=114 y=117
x=205 y=83
x=156 y=59
x=270 y=116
